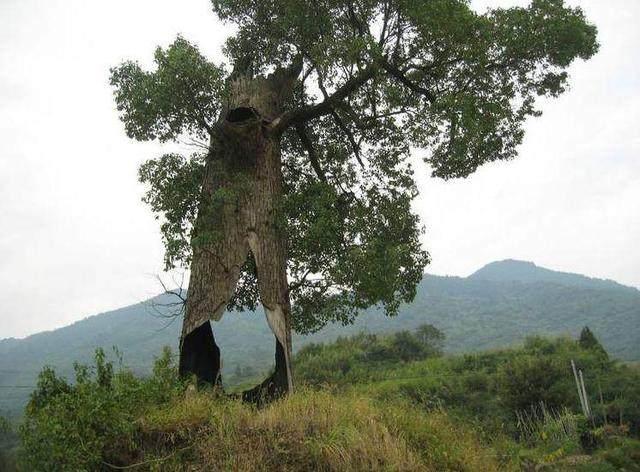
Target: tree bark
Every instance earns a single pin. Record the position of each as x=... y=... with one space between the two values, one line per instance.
x=238 y=213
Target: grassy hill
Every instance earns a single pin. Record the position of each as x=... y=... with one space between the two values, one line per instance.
x=497 y=306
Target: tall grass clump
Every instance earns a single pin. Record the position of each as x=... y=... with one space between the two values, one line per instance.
x=310 y=430
x=555 y=428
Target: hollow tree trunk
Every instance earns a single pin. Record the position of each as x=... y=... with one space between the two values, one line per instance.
x=239 y=213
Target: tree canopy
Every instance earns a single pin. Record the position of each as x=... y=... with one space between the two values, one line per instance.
x=375 y=80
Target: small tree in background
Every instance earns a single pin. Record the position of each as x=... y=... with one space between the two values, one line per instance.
x=300 y=197
x=589 y=341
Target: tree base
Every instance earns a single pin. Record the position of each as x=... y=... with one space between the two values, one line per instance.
x=200 y=357
x=273 y=387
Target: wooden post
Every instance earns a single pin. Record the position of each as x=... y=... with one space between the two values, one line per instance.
x=575 y=375
x=584 y=395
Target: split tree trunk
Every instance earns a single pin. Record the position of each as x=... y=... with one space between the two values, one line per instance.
x=238 y=213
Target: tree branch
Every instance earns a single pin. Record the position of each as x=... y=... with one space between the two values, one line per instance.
x=313 y=157
x=355 y=22
x=400 y=77
x=293 y=286
x=385 y=24
x=306 y=113
x=343 y=127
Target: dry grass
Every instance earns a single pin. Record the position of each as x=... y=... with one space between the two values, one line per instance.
x=308 y=431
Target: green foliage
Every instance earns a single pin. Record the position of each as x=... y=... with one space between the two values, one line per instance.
x=6 y=438
x=463 y=83
x=589 y=341
x=621 y=454
x=366 y=241
x=80 y=426
x=527 y=380
x=173 y=191
x=182 y=96
x=360 y=357
x=493 y=389
x=522 y=401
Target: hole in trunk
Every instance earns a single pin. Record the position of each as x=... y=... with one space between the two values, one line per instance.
x=240 y=114
x=274 y=386
x=200 y=355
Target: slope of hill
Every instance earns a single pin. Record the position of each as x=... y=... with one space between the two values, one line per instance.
x=497 y=306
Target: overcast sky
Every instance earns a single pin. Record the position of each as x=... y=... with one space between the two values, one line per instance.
x=75 y=239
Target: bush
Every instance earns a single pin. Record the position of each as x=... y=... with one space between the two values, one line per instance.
x=80 y=426
x=490 y=388
x=365 y=356
x=529 y=380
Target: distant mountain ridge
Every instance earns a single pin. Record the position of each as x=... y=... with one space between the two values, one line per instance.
x=511 y=270
x=496 y=306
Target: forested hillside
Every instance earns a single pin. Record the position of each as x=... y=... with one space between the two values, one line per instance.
x=497 y=306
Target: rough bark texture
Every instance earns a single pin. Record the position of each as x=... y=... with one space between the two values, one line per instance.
x=239 y=213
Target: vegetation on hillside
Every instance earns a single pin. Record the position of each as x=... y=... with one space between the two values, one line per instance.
x=7 y=444
x=475 y=314
x=372 y=402
x=486 y=383
x=353 y=359
x=112 y=419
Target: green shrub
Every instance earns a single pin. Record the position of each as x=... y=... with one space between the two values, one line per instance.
x=528 y=380
x=365 y=356
x=489 y=388
x=623 y=454
x=81 y=425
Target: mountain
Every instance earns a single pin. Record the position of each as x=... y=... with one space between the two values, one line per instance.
x=511 y=270
x=496 y=306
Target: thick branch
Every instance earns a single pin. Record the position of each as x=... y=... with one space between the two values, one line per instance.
x=385 y=24
x=306 y=113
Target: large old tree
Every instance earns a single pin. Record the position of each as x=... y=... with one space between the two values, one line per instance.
x=299 y=197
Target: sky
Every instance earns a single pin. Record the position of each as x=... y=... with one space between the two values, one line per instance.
x=76 y=240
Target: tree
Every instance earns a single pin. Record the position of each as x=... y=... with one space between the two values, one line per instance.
x=300 y=193
x=589 y=342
